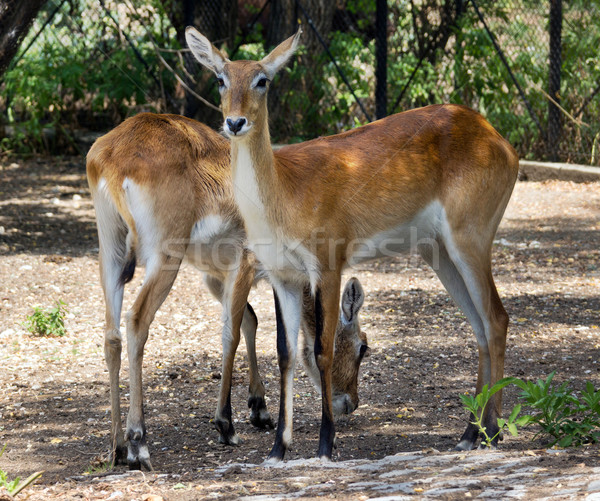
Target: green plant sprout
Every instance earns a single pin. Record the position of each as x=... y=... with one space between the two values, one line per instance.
x=47 y=322
x=477 y=404
x=14 y=487
x=569 y=420
x=99 y=465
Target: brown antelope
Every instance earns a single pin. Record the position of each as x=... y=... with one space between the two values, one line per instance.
x=435 y=179
x=162 y=190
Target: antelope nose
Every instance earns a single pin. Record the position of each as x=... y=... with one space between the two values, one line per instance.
x=236 y=125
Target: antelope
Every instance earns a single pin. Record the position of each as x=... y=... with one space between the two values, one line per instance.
x=162 y=190
x=436 y=180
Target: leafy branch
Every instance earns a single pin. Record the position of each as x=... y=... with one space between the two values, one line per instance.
x=571 y=421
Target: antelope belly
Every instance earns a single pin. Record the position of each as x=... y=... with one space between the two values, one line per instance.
x=422 y=229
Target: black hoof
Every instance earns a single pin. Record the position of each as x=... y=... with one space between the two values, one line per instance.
x=134 y=465
x=325 y=452
x=259 y=415
x=469 y=438
x=234 y=441
x=138 y=456
x=262 y=420
x=118 y=455
x=277 y=453
x=227 y=435
x=139 y=463
x=464 y=445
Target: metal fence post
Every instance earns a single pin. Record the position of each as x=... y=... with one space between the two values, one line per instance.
x=554 y=122
x=381 y=59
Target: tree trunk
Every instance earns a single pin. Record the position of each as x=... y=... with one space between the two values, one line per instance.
x=217 y=20
x=283 y=23
x=554 y=115
x=16 y=17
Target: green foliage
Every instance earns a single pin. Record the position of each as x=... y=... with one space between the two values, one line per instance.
x=569 y=420
x=82 y=73
x=79 y=69
x=98 y=465
x=325 y=105
x=483 y=82
x=47 y=322
x=13 y=487
x=477 y=404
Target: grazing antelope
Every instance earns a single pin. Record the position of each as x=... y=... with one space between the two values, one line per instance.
x=162 y=190
x=435 y=179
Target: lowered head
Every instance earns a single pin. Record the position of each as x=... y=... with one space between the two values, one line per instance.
x=351 y=347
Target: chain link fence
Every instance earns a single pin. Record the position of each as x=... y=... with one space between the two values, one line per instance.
x=16 y=17
x=530 y=67
x=498 y=57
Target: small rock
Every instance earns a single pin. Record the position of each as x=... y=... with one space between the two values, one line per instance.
x=594 y=486
x=234 y=470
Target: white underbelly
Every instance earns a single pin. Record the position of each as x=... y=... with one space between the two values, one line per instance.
x=280 y=256
x=422 y=230
x=216 y=245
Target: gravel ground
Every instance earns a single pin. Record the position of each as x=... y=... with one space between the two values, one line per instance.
x=54 y=412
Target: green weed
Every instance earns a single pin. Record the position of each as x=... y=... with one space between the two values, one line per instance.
x=98 y=465
x=569 y=420
x=47 y=322
x=13 y=487
x=477 y=404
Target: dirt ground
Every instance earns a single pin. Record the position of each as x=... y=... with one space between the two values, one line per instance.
x=54 y=411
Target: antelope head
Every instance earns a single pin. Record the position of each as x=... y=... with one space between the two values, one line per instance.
x=243 y=85
x=351 y=347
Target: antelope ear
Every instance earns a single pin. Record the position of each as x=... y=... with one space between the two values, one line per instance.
x=205 y=52
x=273 y=62
x=352 y=300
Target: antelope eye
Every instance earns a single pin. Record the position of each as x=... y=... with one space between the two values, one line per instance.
x=262 y=82
x=220 y=82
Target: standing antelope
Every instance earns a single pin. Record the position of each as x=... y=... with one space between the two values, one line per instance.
x=162 y=190
x=436 y=179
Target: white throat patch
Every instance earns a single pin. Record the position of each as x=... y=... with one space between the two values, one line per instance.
x=279 y=255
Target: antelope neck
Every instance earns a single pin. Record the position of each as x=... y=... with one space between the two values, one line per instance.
x=258 y=193
x=255 y=178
